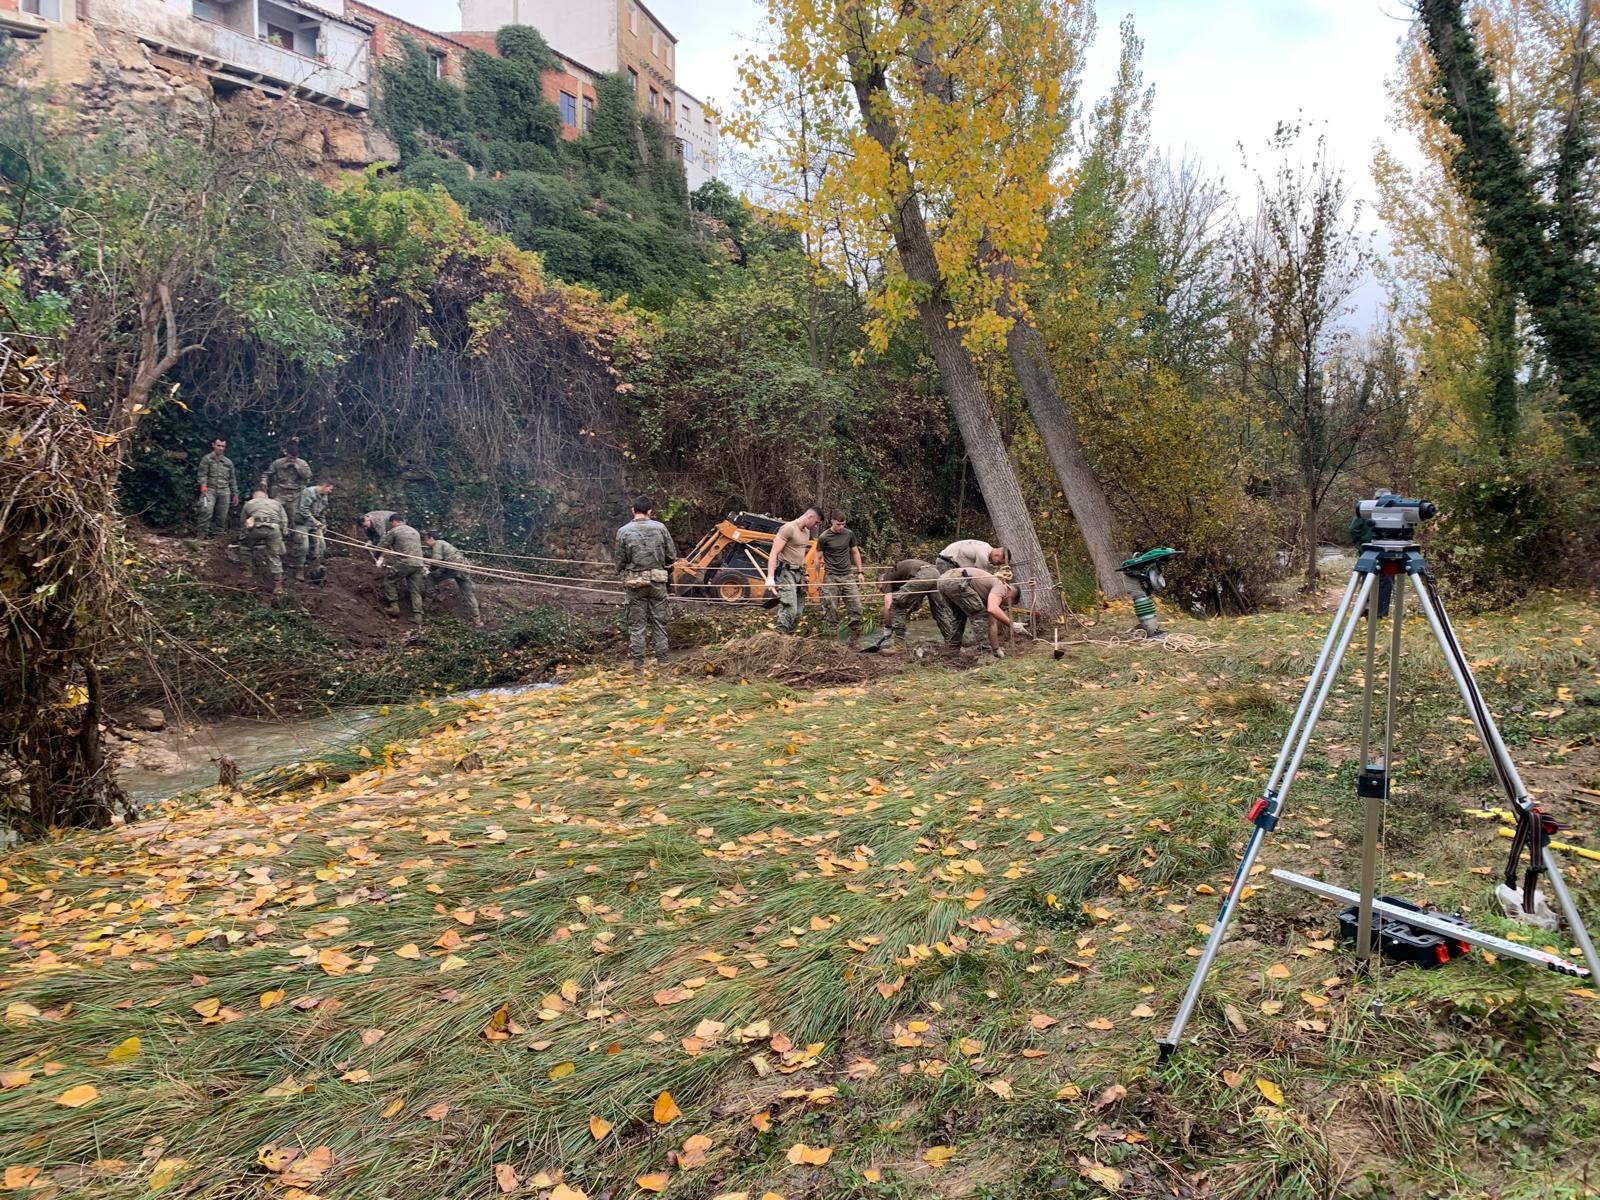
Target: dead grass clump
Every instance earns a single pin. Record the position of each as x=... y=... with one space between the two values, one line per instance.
x=798 y=661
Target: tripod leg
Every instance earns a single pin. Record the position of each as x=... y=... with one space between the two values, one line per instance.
x=1311 y=684
x=1516 y=792
x=1569 y=910
x=1376 y=791
x=1266 y=810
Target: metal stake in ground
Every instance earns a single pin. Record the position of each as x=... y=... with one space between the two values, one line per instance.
x=1395 y=519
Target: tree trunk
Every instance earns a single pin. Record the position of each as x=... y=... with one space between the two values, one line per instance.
x=1308 y=538
x=1059 y=432
x=997 y=478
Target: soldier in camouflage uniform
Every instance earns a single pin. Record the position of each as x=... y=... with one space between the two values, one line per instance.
x=445 y=562
x=265 y=523
x=219 y=489
x=645 y=553
x=308 y=517
x=905 y=586
x=404 y=545
x=375 y=524
x=288 y=474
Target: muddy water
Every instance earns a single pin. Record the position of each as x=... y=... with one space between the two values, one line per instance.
x=186 y=758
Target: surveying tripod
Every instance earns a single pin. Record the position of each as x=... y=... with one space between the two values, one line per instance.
x=1395 y=556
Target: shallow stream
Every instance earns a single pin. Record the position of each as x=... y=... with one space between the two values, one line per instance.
x=186 y=755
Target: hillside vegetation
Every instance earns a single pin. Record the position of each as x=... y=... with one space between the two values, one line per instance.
x=717 y=938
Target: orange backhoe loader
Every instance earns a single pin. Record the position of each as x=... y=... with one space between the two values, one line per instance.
x=730 y=562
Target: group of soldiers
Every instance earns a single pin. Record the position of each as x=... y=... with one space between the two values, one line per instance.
x=968 y=579
x=286 y=516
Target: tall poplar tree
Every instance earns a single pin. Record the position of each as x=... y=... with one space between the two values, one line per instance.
x=942 y=123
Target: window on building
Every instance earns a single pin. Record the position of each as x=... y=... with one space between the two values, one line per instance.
x=569 y=109
x=50 y=10
x=202 y=9
x=654 y=96
x=588 y=112
x=633 y=19
x=436 y=63
x=286 y=28
x=685 y=112
x=633 y=80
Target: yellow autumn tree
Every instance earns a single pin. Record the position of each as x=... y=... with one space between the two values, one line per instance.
x=926 y=137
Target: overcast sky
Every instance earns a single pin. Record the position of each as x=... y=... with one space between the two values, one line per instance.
x=1225 y=71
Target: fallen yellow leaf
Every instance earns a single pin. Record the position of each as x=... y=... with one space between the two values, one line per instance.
x=505 y=1177
x=598 y=1128
x=125 y=1049
x=666 y=1109
x=562 y=1069
x=77 y=1097
x=656 y=1182
x=19 y=1178
x=1270 y=1090
x=815 y=1156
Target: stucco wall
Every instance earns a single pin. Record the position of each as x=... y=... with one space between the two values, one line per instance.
x=585 y=30
x=700 y=161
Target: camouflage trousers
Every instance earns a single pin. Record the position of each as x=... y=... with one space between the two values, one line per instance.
x=923 y=587
x=408 y=575
x=647 y=613
x=265 y=544
x=790 y=583
x=306 y=541
x=212 y=510
x=963 y=601
x=463 y=581
x=840 y=590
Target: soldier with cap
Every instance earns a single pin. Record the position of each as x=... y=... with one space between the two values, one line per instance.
x=403 y=544
x=445 y=563
x=308 y=518
x=265 y=523
x=287 y=475
x=644 y=555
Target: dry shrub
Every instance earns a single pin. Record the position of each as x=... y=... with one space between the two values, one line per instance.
x=799 y=661
x=63 y=601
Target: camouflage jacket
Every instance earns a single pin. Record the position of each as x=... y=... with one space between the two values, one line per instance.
x=379 y=519
x=644 y=545
x=444 y=553
x=406 y=543
x=310 y=508
x=217 y=473
x=286 y=476
x=265 y=514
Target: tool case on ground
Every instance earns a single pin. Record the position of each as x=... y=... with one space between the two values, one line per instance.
x=1404 y=943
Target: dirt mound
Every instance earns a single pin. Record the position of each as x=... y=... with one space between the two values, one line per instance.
x=800 y=661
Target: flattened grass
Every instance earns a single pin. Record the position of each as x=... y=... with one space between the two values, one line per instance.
x=932 y=924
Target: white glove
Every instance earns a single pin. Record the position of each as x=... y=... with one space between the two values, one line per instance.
x=380 y=560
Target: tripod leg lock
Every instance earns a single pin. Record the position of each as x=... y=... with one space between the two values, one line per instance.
x=1264 y=814
x=1373 y=784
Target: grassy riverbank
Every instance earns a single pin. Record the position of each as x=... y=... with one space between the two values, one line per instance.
x=908 y=939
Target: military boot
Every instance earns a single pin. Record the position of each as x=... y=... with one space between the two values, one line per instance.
x=299 y=574
x=638 y=672
x=392 y=610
